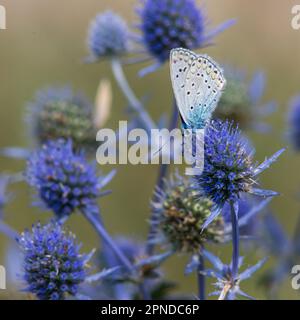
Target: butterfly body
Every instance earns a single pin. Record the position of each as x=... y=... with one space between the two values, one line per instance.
x=197 y=82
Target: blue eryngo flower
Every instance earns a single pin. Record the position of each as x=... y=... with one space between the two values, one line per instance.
x=61 y=113
x=229 y=168
x=181 y=212
x=63 y=178
x=169 y=24
x=294 y=122
x=53 y=266
x=108 y=36
x=227 y=286
x=241 y=100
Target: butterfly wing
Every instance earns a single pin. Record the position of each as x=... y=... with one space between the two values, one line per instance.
x=197 y=82
x=180 y=62
x=203 y=88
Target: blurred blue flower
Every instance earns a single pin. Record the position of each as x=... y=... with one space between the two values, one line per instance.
x=59 y=112
x=53 y=267
x=294 y=122
x=131 y=248
x=241 y=100
x=13 y=263
x=229 y=169
x=227 y=286
x=108 y=36
x=58 y=94
x=283 y=248
x=123 y=286
x=64 y=179
x=5 y=197
x=169 y=24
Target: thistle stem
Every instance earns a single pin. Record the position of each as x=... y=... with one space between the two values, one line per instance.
x=8 y=231
x=235 y=240
x=201 y=278
x=162 y=173
x=96 y=223
x=134 y=102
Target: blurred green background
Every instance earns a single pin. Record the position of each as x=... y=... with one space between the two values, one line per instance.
x=44 y=44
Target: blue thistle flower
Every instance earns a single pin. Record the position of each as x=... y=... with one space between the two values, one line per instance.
x=241 y=100
x=64 y=179
x=169 y=24
x=229 y=170
x=227 y=286
x=108 y=36
x=53 y=266
x=294 y=122
x=181 y=212
x=61 y=113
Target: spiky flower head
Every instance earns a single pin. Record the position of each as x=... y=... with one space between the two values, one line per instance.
x=182 y=212
x=108 y=36
x=294 y=122
x=241 y=100
x=53 y=266
x=63 y=178
x=229 y=168
x=228 y=165
x=61 y=113
x=227 y=284
x=169 y=24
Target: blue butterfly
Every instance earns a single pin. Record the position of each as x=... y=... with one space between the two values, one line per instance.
x=197 y=82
